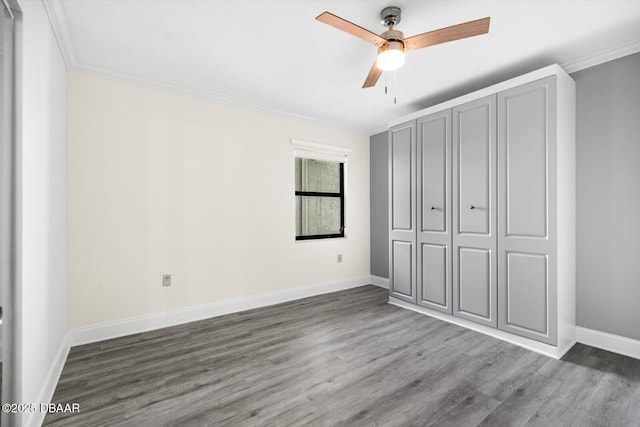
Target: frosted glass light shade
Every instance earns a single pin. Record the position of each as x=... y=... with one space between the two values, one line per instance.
x=390 y=57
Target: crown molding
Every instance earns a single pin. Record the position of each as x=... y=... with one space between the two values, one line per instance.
x=63 y=31
x=215 y=97
x=378 y=130
x=602 y=57
x=60 y=25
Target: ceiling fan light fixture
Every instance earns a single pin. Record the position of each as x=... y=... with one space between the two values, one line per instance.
x=392 y=44
x=390 y=56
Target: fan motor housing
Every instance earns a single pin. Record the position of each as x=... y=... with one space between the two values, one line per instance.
x=393 y=35
x=391 y=45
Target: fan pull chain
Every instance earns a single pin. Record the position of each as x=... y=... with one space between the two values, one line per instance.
x=395 y=86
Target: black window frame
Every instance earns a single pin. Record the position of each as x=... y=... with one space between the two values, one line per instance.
x=323 y=194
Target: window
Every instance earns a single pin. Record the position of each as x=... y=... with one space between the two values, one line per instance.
x=319 y=199
x=319 y=190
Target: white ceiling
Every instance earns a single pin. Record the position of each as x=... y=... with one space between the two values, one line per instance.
x=274 y=56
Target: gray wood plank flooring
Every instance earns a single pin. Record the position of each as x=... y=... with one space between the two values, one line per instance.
x=346 y=358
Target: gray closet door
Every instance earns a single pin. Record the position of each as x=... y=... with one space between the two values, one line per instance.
x=434 y=211
x=474 y=211
x=526 y=200
x=402 y=202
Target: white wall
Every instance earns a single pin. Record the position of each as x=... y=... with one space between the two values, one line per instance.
x=42 y=293
x=165 y=183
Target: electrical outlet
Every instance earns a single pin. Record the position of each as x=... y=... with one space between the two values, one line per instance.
x=166 y=280
x=339 y=257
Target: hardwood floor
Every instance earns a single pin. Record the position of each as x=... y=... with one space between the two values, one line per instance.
x=346 y=358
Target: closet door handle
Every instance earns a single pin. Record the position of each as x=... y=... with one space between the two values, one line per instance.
x=472 y=207
x=432 y=208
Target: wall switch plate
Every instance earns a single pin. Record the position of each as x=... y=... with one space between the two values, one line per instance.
x=339 y=257
x=166 y=280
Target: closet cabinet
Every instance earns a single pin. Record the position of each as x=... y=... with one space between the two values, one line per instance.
x=434 y=212
x=528 y=202
x=482 y=211
x=402 y=235
x=474 y=211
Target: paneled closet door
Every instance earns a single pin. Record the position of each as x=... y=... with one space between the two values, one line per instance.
x=434 y=211
x=402 y=221
x=526 y=200
x=474 y=211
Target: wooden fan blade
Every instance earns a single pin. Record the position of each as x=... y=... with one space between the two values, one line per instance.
x=447 y=34
x=372 y=78
x=351 y=28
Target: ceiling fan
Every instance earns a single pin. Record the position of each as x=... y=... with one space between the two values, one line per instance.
x=392 y=45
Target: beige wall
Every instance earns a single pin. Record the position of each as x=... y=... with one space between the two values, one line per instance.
x=165 y=183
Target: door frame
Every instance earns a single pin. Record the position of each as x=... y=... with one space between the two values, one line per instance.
x=10 y=215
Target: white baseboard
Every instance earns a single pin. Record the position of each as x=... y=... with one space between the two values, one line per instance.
x=382 y=282
x=136 y=325
x=529 y=344
x=610 y=342
x=35 y=419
